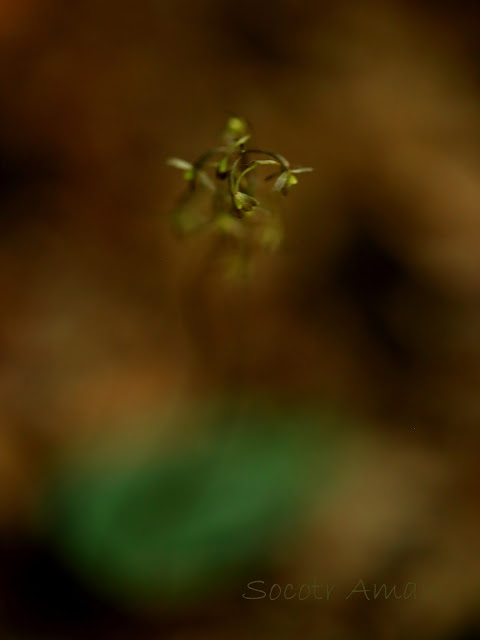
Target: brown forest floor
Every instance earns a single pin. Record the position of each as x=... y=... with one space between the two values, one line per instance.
x=374 y=304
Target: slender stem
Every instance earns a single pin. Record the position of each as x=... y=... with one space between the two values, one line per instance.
x=276 y=156
x=231 y=179
x=231 y=176
x=253 y=165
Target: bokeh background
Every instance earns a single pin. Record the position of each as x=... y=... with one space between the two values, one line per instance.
x=156 y=419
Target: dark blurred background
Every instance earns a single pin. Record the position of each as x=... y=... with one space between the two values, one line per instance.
x=112 y=330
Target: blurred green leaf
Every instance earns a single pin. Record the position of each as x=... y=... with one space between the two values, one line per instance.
x=159 y=528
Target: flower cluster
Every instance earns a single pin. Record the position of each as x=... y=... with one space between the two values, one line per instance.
x=229 y=173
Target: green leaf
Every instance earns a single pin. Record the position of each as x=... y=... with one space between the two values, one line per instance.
x=152 y=528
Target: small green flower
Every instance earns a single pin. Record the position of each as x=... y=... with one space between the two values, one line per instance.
x=235 y=128
x=244 y=203
x=286 y=180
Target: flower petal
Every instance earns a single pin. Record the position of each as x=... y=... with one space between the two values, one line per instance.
x=178 y=163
